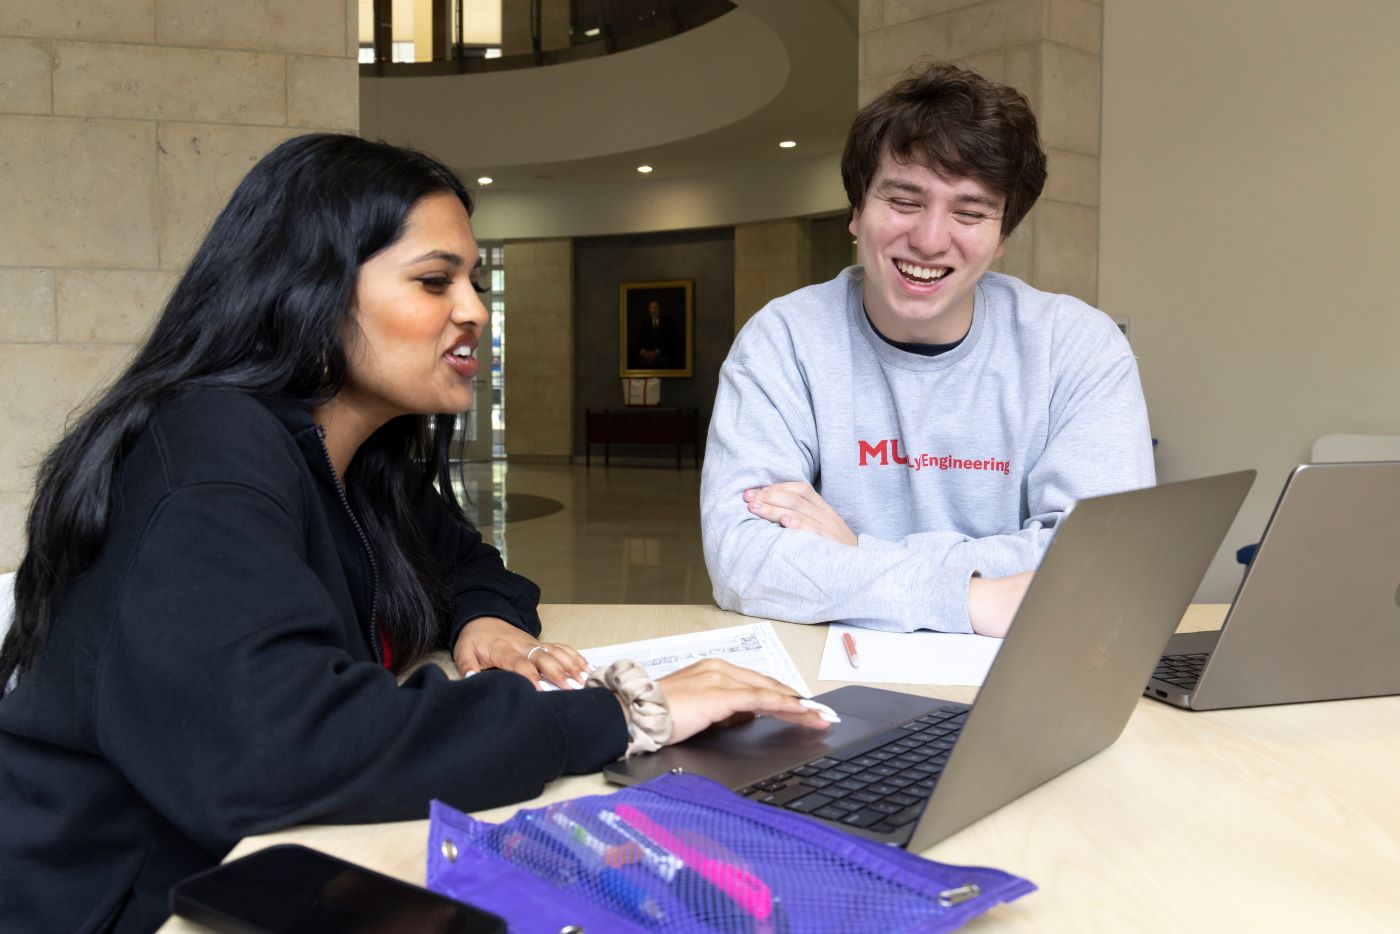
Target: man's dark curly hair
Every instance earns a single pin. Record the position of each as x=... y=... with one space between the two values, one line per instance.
x=956 y=123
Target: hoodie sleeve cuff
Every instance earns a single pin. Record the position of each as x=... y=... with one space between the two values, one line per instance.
x=490 y=604
x=594 y=725
x=948 y=600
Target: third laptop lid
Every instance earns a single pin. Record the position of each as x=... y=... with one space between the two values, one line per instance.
x=1113 y=585
x=1317 y=616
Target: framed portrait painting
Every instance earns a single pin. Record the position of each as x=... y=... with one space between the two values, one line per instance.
x=656 y=328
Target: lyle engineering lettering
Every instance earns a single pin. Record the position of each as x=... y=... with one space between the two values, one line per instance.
x=888 y=450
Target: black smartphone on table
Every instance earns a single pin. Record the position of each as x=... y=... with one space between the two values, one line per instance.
x=290 y=888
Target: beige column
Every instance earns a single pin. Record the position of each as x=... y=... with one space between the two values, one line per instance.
x=1051 y=51
x=124 y=125
x=515 y=27
x=555 y=24
x=770 y=259
x=539 y=351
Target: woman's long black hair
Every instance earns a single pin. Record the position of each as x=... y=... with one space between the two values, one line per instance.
x=263 y=307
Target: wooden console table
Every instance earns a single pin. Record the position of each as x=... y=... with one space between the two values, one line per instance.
x=641 y=426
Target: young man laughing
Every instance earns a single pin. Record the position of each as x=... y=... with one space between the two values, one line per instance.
x=896 y=447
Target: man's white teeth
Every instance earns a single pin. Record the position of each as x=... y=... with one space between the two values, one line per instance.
x=463 y=351
x=922 y=272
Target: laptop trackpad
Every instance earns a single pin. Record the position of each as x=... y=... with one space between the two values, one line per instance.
x=738 y=755
x=772 y=743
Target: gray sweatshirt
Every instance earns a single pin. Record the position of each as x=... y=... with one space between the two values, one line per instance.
x=943 y=466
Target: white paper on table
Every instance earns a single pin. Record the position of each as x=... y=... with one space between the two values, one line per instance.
x=755 y=646
x=921 y=657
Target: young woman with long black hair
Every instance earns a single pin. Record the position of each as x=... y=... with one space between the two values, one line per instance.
x=234 y=550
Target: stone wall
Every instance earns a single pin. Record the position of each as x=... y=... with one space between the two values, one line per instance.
x=124 y=125
x=539 y=354
x=771 y=258
x=1051 y=51
x=774 y=258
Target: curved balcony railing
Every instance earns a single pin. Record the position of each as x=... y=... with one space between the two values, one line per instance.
x=529 y=33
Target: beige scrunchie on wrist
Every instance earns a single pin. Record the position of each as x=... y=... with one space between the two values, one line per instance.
x=649 y=722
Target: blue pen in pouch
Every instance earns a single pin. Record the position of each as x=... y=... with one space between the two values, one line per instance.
x=624 y=891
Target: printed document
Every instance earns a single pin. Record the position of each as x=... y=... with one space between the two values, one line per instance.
x=755 y=646
x=921 y=657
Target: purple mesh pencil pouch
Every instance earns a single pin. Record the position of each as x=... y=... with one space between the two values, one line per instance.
x=682 y=853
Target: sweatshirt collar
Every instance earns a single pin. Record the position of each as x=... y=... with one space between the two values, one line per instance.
x=903 y=359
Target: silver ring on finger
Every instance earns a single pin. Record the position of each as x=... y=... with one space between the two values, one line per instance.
x=538 y=648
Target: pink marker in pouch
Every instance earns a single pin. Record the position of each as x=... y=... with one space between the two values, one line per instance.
x=747 y=890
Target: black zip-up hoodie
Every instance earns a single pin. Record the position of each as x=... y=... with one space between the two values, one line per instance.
x=212 y=676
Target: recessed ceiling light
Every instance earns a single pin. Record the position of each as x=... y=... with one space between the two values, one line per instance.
x=644 y=169
x=593 y=33
x=787 y=144
x=485 y=180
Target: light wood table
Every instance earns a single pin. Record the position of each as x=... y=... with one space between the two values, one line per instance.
x=1260 y=819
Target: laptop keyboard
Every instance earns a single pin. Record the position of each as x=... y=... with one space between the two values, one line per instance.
x=880 y=784
x=1182 y=670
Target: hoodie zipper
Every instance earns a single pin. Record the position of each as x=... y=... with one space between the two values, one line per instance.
x=369 y=552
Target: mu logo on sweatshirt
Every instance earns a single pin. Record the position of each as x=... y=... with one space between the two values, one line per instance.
x=887 y=451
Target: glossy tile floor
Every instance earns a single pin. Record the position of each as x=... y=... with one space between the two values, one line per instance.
x=595 y=535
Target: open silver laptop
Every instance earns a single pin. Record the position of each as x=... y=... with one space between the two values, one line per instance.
x=1112 y=587
x=1317 y=616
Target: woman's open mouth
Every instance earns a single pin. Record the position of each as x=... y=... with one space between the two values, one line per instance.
x=462 y=358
